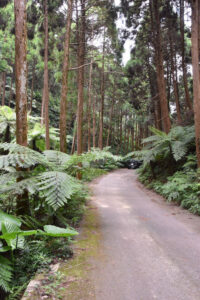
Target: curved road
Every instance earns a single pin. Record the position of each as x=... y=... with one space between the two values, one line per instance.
x=151 y=248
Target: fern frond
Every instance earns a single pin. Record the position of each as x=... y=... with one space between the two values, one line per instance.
x=179 y=150
x=158 y=132
x=20 y=156
x=5 y=273
x=57 y=187
x=56 y=157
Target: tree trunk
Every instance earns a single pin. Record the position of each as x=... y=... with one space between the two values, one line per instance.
x=154 y=5
x=63 y=103
x=110 y=118
x=4 y=89
x=81 y=61
x=187 y=95
x=102 y=96
x=174 y=79
x=46 y=77
x=11 y=90
x=32 y=88
x=89 y=105
x=196 y=76
x=94 y=123
x=21 y=84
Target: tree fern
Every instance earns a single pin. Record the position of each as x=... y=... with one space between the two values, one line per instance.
x=57 y=187
x=20 y=156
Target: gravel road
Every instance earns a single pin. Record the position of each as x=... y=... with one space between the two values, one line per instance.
x=151 y=248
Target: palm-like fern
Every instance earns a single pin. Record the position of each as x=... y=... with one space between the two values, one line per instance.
x=161 y=145
x=57 y=187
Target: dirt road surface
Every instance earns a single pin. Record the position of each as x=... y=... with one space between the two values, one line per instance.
x=151 y=248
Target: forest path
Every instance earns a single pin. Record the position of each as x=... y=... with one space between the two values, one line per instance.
x=151 y=249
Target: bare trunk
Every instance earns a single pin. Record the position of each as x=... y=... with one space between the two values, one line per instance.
x=4 y=89
x=110 y=119
x=174 y=79
x=81 y=61
x=46 y=78
x=187 y=95
x=196 y=76
x=94 y=123
x=102 y=96
x=11 y=90
x=159 y=66
x=32 y=88
x=21 y=84
x=89 y=105
x=63 y=103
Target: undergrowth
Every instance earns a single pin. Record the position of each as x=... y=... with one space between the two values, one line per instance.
x=170 y=167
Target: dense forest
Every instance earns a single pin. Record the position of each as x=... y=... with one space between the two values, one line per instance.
x=71 y=111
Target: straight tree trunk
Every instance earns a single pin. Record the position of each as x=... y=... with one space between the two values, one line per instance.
x=102 y=96
x=110 y=118
x=63 y=102
x=32 y=87
x=154 y=6
x=11 y=90
x=21 y=85
x=89 y=105
x=174 y=79
x=81 y=61
x=46 y=76
x=182 y=25
x=4 y=89
x=21 y=71
x=196 y=76
x=94 y=123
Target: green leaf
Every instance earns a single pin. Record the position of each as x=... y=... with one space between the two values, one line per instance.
x=8 y=218
x=55 y=231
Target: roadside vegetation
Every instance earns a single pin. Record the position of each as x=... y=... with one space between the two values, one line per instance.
x=72 y=105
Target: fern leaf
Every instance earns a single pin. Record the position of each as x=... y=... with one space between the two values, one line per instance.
x=57 y=187
x=5 y=273
x=20 y=156
x=179 y=150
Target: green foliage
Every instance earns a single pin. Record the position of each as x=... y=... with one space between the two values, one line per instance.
x=13 y=237
x=5 y=273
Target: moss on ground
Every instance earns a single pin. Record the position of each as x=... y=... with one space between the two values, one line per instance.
x=77 y=271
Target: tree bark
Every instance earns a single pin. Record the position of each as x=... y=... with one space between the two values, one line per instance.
x=196 y=76
x=174 y=79
x=182 y=24
x=32 y=88
x=21 y=85
x=4 y=89
x=11 y=90
x=89 y=105
x=63 y=102
x=110 y=118
x=94 y=123
x=21 y=71
x=100 y=145
x=81 y=61
x=46 y=78
x=154 y=6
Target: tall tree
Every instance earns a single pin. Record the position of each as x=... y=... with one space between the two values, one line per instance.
x=184 y=68
x=81 y=61
x=63 y=103
x=102 y=95
x=155 y=19
x=196 y=76
x=46 y=76
x=21 y=71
